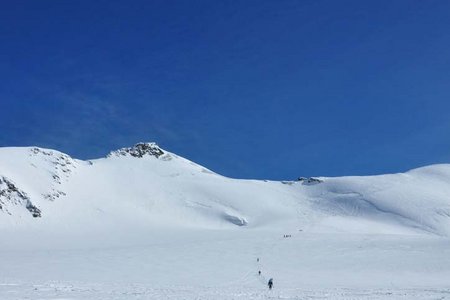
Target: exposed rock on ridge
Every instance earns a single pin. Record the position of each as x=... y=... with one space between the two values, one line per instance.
x=140 y=150
x=309 y=180
x=11 y=195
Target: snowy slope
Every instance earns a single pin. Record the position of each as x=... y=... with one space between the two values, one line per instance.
x=144 y=223
x=149 y=186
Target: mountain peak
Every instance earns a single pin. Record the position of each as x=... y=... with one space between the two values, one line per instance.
x=140 y=150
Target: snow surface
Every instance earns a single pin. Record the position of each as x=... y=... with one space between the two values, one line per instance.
x=144 y=223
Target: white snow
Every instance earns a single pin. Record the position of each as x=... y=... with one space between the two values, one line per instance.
x=163 y=227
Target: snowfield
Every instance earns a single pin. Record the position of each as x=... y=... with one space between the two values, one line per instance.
x=144 y=223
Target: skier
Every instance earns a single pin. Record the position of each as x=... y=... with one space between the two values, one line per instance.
x=270 y=283
x=259 y=272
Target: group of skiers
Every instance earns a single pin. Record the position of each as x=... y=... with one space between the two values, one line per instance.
x=270 y=282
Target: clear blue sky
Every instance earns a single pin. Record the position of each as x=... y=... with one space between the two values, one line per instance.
x=250 y=89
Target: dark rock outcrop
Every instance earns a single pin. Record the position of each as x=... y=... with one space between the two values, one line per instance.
x=140 y=150
x=309 y=180
x=11 y=195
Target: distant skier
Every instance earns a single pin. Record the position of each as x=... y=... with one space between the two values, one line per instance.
x=257 y=259
x=270 y=283
x=259 y=272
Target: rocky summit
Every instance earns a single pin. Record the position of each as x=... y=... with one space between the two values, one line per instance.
x=140 y=150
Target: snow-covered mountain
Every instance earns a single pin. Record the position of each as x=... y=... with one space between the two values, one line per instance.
x=144 y=223
x=149 y=187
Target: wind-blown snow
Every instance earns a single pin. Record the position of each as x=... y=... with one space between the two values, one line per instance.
x=163 y=226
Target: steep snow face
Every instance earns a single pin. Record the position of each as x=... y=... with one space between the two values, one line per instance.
x=147 y=187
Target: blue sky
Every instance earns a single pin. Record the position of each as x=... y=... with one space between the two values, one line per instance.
x=250 y=89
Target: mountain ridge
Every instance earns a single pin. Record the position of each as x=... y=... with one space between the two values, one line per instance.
x=145 y=184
